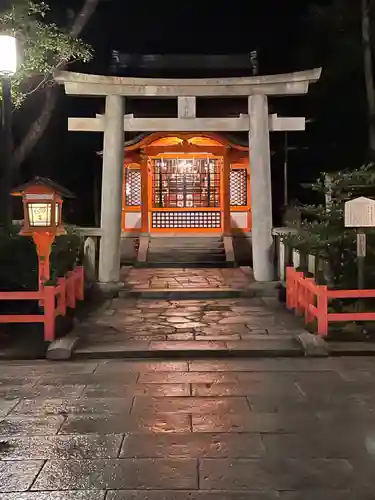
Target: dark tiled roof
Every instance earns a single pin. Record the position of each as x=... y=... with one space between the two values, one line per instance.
x=44 y=181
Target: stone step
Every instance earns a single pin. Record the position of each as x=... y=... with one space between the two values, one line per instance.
x=185 y=252
x=188 y=293
x=181 y=245
x=185 y=258
x=185 y=249
x=194 y=349
x=194 y=265
x=158 y=246
x=188 y=241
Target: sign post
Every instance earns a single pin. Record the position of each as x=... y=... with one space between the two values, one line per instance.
x=359 y=214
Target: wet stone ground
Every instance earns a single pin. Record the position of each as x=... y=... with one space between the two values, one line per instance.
x=157 y=324
x=145 y=279
x=287 y=429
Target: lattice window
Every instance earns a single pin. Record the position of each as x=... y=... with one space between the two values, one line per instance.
x=190 y=183
x=238 y=187
x=181 y=220
x=132 y=187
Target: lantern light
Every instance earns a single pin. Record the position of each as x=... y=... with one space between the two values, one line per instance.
x=8 y=55
x=42 y=203
x=40 y=212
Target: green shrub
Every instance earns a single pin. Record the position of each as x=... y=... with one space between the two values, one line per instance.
x=19 y=264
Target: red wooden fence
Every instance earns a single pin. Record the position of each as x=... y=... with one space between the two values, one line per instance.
x=311 y=300
x=54 y=299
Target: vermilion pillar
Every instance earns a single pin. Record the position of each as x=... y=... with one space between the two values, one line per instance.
x=144 y=195
x=226 y=195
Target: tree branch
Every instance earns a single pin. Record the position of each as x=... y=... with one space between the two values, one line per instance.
x=39 y=126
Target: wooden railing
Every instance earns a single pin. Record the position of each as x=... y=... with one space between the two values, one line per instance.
x=307 y=298
x=53 y=299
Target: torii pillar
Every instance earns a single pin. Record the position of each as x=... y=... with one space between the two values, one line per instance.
x=113 y=164
x=261 y=189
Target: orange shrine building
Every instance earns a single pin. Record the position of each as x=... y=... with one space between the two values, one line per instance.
x=186 y=183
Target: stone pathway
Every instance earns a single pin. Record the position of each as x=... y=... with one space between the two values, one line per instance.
x=132 y=324
x=191 y=311
x=144 y=279
x=281 y=429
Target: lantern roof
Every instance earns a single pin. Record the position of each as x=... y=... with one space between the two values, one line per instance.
x=45 y=183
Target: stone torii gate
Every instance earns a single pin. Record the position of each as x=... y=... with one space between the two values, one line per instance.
x=258 y=123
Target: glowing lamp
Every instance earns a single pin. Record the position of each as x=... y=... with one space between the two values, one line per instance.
x=8 y=55
x=42 y=206
x=42 y=212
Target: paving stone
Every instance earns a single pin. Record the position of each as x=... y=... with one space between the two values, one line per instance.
x=20 y=383
x=189 y=405
x=63 y=391
x=127 y=377
x=320 y=494
x=60 y=447
x=117 y=424
x=18 y=475
x=119 y=391
x=144 y=474
x=244 y=389
x=321 y=445
x=6 y=405
x=286 y=474
x=30 y=426
x=190 y=495
x=73 y=406
x=257 y=422
x=55 y=495
x=192 y=446
x=124 y=366
x=14 y=370
x=186 y=377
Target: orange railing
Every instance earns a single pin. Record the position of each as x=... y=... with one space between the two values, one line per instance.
x=53 y=299
x=311 y=300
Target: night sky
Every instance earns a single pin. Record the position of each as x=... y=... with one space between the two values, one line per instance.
x=277 y=29
x=231 y=26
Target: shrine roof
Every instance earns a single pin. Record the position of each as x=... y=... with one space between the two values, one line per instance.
x=232 y=140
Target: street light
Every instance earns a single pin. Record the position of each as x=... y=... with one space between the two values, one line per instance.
x=8 y=66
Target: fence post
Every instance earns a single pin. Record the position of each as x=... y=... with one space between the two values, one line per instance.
x=299 y=292
x=309 y=297
x=289 y=287
x=322 y=310
x=61 y=297
x=49 y=313
x=80 y=282
x=70 y=290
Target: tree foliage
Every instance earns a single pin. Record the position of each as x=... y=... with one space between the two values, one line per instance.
x=43 y=46
x=319 y=229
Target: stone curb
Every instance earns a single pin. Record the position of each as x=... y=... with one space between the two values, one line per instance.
x=62 y=349
x=337 y=348
x=312 y=345
x=193 y=350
